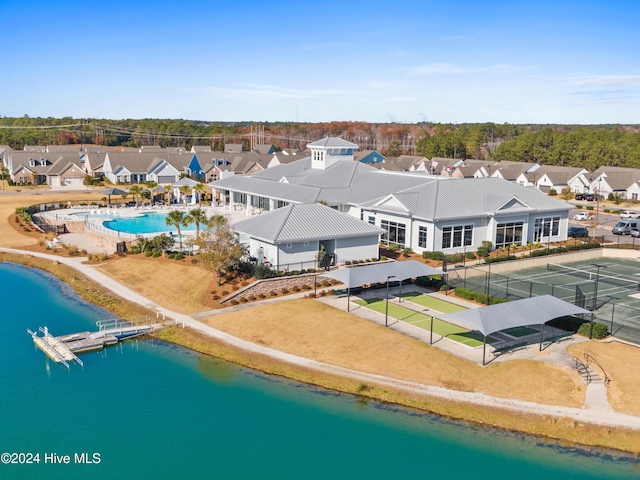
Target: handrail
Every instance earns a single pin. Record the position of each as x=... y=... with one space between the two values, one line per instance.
x=590 y=359
x=586 y=368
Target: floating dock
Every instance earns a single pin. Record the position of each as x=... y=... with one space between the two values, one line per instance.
x=63 y=349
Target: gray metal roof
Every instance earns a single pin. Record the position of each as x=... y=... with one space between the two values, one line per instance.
x=301 y=222
x=518 y=313
x=378 y=273
x=271 y=189
x=439 y=200
x=332 y=142
x=186 y=181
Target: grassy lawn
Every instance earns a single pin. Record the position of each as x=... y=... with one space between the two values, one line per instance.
x=431 y=303
x=452 y=332
x=314 y=330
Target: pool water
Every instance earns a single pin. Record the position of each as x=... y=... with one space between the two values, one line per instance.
x=145 y=223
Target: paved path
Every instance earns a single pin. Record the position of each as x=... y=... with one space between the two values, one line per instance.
x=596 y=416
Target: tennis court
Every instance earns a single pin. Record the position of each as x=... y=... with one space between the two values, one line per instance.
x=610 y=287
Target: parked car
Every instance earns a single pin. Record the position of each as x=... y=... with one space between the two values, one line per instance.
x=635 y=232
x=629 y=214
x=625 y=227
x=578 y=232
x=583 y=216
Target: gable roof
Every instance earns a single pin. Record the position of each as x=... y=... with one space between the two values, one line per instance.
x=307 y=221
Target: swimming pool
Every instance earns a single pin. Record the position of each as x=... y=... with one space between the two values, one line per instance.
x=150 y=222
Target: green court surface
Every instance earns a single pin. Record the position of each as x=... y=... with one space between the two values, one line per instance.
x=452 y=332
x=429 y=302
x=520 y=331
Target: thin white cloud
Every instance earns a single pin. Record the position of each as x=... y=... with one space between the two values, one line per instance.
x=450 y=68
x=607 y=81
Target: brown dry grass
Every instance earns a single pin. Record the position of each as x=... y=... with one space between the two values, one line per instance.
x=179 y=286
x=563 y=429
x=14 y=236
x=320 y=332
x=620 y=362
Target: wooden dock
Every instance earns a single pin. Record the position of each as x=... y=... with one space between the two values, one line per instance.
x=63 y=349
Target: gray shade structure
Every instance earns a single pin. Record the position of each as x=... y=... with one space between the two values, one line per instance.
x=113 y=191
x=379 y=273
x=519 y=313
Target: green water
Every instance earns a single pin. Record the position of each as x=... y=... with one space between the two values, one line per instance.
x=154 y=410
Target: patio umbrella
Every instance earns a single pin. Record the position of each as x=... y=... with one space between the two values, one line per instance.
x=113 y=191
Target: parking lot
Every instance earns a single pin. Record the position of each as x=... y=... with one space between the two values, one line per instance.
x=605 y=222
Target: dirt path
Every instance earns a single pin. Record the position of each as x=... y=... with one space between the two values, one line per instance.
x=596 y=416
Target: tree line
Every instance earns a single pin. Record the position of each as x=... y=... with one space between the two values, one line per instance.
x=569 y=145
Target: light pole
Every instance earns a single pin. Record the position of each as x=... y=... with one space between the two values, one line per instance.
x=595 y=288
x=386 y=311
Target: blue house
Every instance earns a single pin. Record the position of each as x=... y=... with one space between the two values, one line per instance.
x=369 y=156
x=195 y=169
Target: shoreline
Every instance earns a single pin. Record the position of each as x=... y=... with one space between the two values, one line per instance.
x=561 y=424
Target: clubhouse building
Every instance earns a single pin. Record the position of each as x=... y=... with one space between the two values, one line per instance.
x=413 y=209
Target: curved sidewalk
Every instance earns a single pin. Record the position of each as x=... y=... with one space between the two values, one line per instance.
x=594 y=416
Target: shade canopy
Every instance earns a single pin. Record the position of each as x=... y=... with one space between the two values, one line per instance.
x=114 y=191
x=518 y=313
x=394 y=271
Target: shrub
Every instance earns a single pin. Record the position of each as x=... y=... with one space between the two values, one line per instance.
x=606 y=210
x=179 y=256
x=148 y=253
x=499 y=259
x=243 y=299
x=407 y=251
x=444 y=288
x=233 y=301
x=483 y=252
x=251 y=298
x=393 y=247
x=156 y=254
x=579 y=207
x=224 y=293
x=261 y=296
x=433 y=255
x=262 y=271
x=470 y=255
x=295 y=288
x=284 y=291
x=325 y=283
x=589 y=207
x=306 y=287
x=273 y=293
x=553 y=192
x=454 y=257
x=215 y=297
x=599 y=330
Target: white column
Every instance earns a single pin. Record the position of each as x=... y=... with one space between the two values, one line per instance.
x=249 y=200
x=272 y=205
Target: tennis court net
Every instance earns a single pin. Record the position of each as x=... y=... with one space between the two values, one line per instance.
x=592 y=276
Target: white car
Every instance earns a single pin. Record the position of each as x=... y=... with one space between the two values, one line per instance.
x=583 y=216
x=629 y=214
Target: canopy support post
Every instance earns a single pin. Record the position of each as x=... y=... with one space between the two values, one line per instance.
x=484 y=348
x=431 y=335
x=541 y=335
x=348 y=298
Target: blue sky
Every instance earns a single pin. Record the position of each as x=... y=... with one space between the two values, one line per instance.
x=445 y=61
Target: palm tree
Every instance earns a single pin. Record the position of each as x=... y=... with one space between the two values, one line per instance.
x=198 y=217
x=201 y=188
x=152 y=186
x=136 y=191
x=184 y=189
x=176 y=218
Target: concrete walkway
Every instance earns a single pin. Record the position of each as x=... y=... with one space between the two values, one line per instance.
x=595 y=416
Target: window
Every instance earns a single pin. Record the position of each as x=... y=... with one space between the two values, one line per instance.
x=394 y=233
x=509 y=234
x=545 y=227
x=289 y=245
x=422 y=237
x=457 y=236
x=634 y=196
x=306 y=244
x=372 y=220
